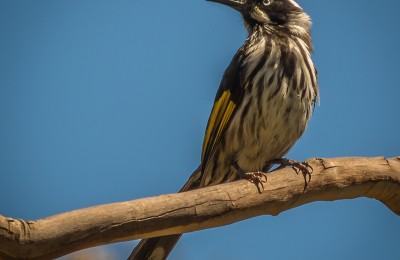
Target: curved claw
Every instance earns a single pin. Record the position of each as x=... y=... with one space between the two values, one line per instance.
x=258 y=178
x=303 y=167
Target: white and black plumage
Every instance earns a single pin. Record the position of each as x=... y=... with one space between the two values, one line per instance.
x=263 y=103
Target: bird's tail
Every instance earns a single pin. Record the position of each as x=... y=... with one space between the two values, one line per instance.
x=158 y=248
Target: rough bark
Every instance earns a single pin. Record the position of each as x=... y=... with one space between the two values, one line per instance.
x=332 y=179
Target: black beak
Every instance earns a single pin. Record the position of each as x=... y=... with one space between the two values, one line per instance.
x=235 y=4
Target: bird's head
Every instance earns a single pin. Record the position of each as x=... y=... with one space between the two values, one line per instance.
x=277 y=15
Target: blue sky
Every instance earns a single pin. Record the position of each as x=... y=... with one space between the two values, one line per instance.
x=107 y=101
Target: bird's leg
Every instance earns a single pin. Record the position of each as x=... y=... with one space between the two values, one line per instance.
x=258 y=177
x=303 y=167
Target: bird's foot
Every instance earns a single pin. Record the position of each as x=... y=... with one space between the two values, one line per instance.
x=303 y=167
x=258 y=178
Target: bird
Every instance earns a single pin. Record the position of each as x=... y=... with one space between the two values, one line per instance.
x=262 y=107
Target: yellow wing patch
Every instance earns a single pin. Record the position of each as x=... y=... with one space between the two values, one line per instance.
x=221 y=113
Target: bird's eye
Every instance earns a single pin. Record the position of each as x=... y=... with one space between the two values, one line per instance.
x=266 y=2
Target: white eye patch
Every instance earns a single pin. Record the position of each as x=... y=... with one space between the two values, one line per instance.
x=294 y=3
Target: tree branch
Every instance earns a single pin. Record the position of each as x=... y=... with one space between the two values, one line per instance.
x=332 y=179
